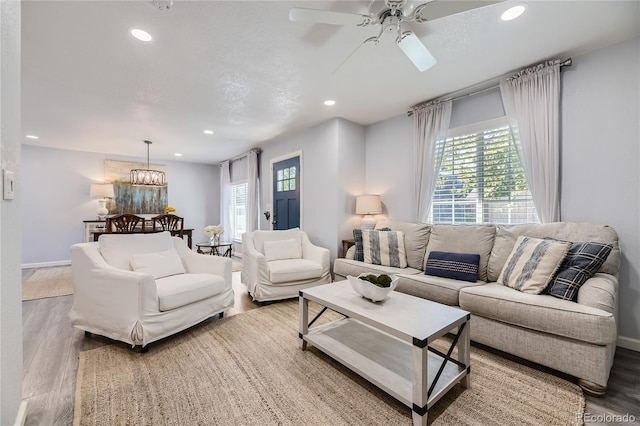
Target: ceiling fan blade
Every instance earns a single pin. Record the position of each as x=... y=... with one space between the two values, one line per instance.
x=416 y=51
x=299 y=14
x=440 y=8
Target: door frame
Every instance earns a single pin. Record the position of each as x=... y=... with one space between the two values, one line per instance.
x=300 y=173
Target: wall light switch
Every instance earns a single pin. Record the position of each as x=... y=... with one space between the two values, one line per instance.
x=8 y=185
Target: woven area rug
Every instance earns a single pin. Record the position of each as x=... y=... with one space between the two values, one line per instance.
x=48 y=282
x=248 y=370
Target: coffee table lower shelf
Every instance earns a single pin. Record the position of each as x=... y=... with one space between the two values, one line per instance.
x=382 y=359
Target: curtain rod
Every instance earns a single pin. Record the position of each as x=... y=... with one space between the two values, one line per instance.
x=492 y=84
x=241 y=156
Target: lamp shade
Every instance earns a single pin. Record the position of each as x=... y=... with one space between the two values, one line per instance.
x=104 y=190
x=368 y=204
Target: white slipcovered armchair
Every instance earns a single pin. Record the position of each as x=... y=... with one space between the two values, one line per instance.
x=278 y=264
x=139 y=288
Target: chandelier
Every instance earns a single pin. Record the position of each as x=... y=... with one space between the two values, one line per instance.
x=147 y=177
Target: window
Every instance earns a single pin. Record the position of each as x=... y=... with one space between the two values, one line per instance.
x=286 y=179
x=481 y=179
x=238 y=210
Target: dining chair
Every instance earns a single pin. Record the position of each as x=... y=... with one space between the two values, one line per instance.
x=169 y=222
x=125 y=223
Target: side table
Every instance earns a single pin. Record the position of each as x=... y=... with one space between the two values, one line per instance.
x=345 y=246
x=215 y=249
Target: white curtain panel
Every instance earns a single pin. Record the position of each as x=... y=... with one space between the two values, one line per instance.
x=531 y=101
x=253 y=193
x=225 y=201
x=430 y=125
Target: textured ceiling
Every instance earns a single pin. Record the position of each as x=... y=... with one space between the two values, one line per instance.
x=242 y=69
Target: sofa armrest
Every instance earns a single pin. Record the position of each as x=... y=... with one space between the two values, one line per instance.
x=196 y=263
x=600 y=291
x=108 y=298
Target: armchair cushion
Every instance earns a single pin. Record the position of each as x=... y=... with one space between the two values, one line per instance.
x=282 y=271
x=180 y=290
x=259 y=237
x=160 y=264
x=282 y=250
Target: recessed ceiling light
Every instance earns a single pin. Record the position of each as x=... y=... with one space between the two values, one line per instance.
x=329 y=102
x=512 y=13
x=141 y=35
x=32 y=137
x=208 y=132
x=177 y=154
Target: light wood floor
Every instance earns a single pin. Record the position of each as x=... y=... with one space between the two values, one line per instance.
x=51 y=348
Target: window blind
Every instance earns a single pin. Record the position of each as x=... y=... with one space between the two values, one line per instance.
x=481 y=179
x=239 y=209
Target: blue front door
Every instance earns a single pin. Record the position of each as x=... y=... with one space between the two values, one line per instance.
x=286 y=194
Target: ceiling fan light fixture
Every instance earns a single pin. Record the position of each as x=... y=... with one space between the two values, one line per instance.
x=513 y=13
x=416 y=51
x=141 y=35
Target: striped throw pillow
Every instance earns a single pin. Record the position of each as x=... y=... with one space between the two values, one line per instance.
x=533 y=263
x=384 y=248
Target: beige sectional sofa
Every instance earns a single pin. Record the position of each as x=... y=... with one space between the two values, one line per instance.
x=577 y=338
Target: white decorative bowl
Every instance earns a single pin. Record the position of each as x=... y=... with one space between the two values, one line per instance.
x=370 y=290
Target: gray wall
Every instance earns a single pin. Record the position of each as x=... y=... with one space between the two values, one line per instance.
x=55 y=186
x=600 y=157
x=10 y=274
x=332 y=152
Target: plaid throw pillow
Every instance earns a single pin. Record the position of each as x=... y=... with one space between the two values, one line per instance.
x=384 y=248
x=458 y=266
x=581 y=263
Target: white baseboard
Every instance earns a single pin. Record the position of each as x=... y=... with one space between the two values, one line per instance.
x=22 y=414
x=46 y=264
x=629 y=343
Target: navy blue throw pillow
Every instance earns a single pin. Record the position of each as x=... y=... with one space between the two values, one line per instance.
x=580 y=264
x=458 y=266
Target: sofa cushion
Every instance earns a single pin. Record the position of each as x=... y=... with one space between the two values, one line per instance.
x=506 y=236
x=532 y=264
x=284 y=271
x=580 y=264
x=180 y=290
x=160 y=264
x=416 y=236
x=457 y=266
x=346 y=267
x=540 y=312
x=463 y=239
x=438 y=289
x=384 y=248
x=117 y=249
x=259 y=237
x=283 y=249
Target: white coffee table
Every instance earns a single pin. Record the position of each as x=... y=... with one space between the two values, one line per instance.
x=387 y=342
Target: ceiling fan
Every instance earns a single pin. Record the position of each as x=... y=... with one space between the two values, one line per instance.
x=390 y=19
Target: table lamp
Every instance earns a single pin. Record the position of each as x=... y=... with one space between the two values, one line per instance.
x=104 y=190
x=368 y=205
